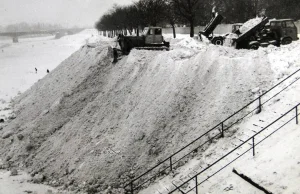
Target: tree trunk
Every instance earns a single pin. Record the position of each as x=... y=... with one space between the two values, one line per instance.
x=174 y=33
x=192 y=28
x=138 y=32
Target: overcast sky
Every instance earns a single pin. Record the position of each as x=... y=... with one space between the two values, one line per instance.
x=66 y=12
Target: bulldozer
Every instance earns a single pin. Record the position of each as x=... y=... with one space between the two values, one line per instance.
x=151 y=39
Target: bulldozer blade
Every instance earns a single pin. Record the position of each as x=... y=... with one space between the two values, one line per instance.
x=153 y=48
x=117 y=54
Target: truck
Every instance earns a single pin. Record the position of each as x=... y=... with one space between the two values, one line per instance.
x=285 y=29
x=253 y=38
x=209 y=29
x=268 y=32
x=264 y=33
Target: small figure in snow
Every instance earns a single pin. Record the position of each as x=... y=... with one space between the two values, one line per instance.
x=48 y=71
x=35 y=70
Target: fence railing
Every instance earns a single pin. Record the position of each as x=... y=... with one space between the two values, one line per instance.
x=253 y=144
x=170 y=163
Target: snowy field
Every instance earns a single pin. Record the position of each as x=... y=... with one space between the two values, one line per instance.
x=19 y=60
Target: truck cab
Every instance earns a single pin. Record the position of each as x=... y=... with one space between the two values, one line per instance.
x=285 y=28
x=153 y=35
x=235 y=27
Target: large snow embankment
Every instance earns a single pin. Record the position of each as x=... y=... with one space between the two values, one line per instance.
x=19 y=61
x=90 y=121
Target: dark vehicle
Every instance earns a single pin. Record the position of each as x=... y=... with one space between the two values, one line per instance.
x=253 y=38
x=151 y=39
x=210 y=27
x=285 y=29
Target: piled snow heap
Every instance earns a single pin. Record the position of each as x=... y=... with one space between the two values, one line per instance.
x=90 y=124
x=250 y=24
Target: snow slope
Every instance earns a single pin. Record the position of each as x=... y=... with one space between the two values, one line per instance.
x=92 y=124
x=284 y=61
x=276 y=163
x=276 y=153
x=19 y=60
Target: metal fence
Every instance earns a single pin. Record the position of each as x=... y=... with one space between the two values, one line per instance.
x=201 y=143
x=250 y=140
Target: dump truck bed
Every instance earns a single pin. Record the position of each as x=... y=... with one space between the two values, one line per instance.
x=252 y=31
x=211 y=26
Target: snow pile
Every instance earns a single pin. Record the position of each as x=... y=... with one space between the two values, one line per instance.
x=92 y=123
x=18 y=62
x=229 y=39
x=284 y=59
x=190 y=43
x=89 y=118
x=250 y=24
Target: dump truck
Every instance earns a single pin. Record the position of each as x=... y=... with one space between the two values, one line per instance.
x=151 y=39
x=209 y=29
x=253 y=38
x=264 y=33
x=267 y=32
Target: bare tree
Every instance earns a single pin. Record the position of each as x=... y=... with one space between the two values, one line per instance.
x=151 y=11
x=187 y=9
x=170 y=15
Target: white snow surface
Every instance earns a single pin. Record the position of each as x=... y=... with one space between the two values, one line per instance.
x=276 y=165
x=250 y=24
x=17 y=62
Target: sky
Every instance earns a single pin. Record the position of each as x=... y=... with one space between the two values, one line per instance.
x=66 y=12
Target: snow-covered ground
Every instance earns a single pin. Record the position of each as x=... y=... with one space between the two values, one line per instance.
x=276 y=165
x=19 y=60
x=19 y=184
x=148 y=86
x=17 y=73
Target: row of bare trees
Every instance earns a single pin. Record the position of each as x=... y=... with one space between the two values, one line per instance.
x=191 y=13
x=150 y=12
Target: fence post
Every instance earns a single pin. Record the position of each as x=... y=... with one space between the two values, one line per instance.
x=196 y=179
x=222 y=125
x=297 y=115
x=131 y=187
x=171 y=167
x=259 y=106
x=253 y=146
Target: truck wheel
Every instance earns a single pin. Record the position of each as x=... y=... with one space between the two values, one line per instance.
x=217 y=41
x=287 y=40
x=253 y=45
